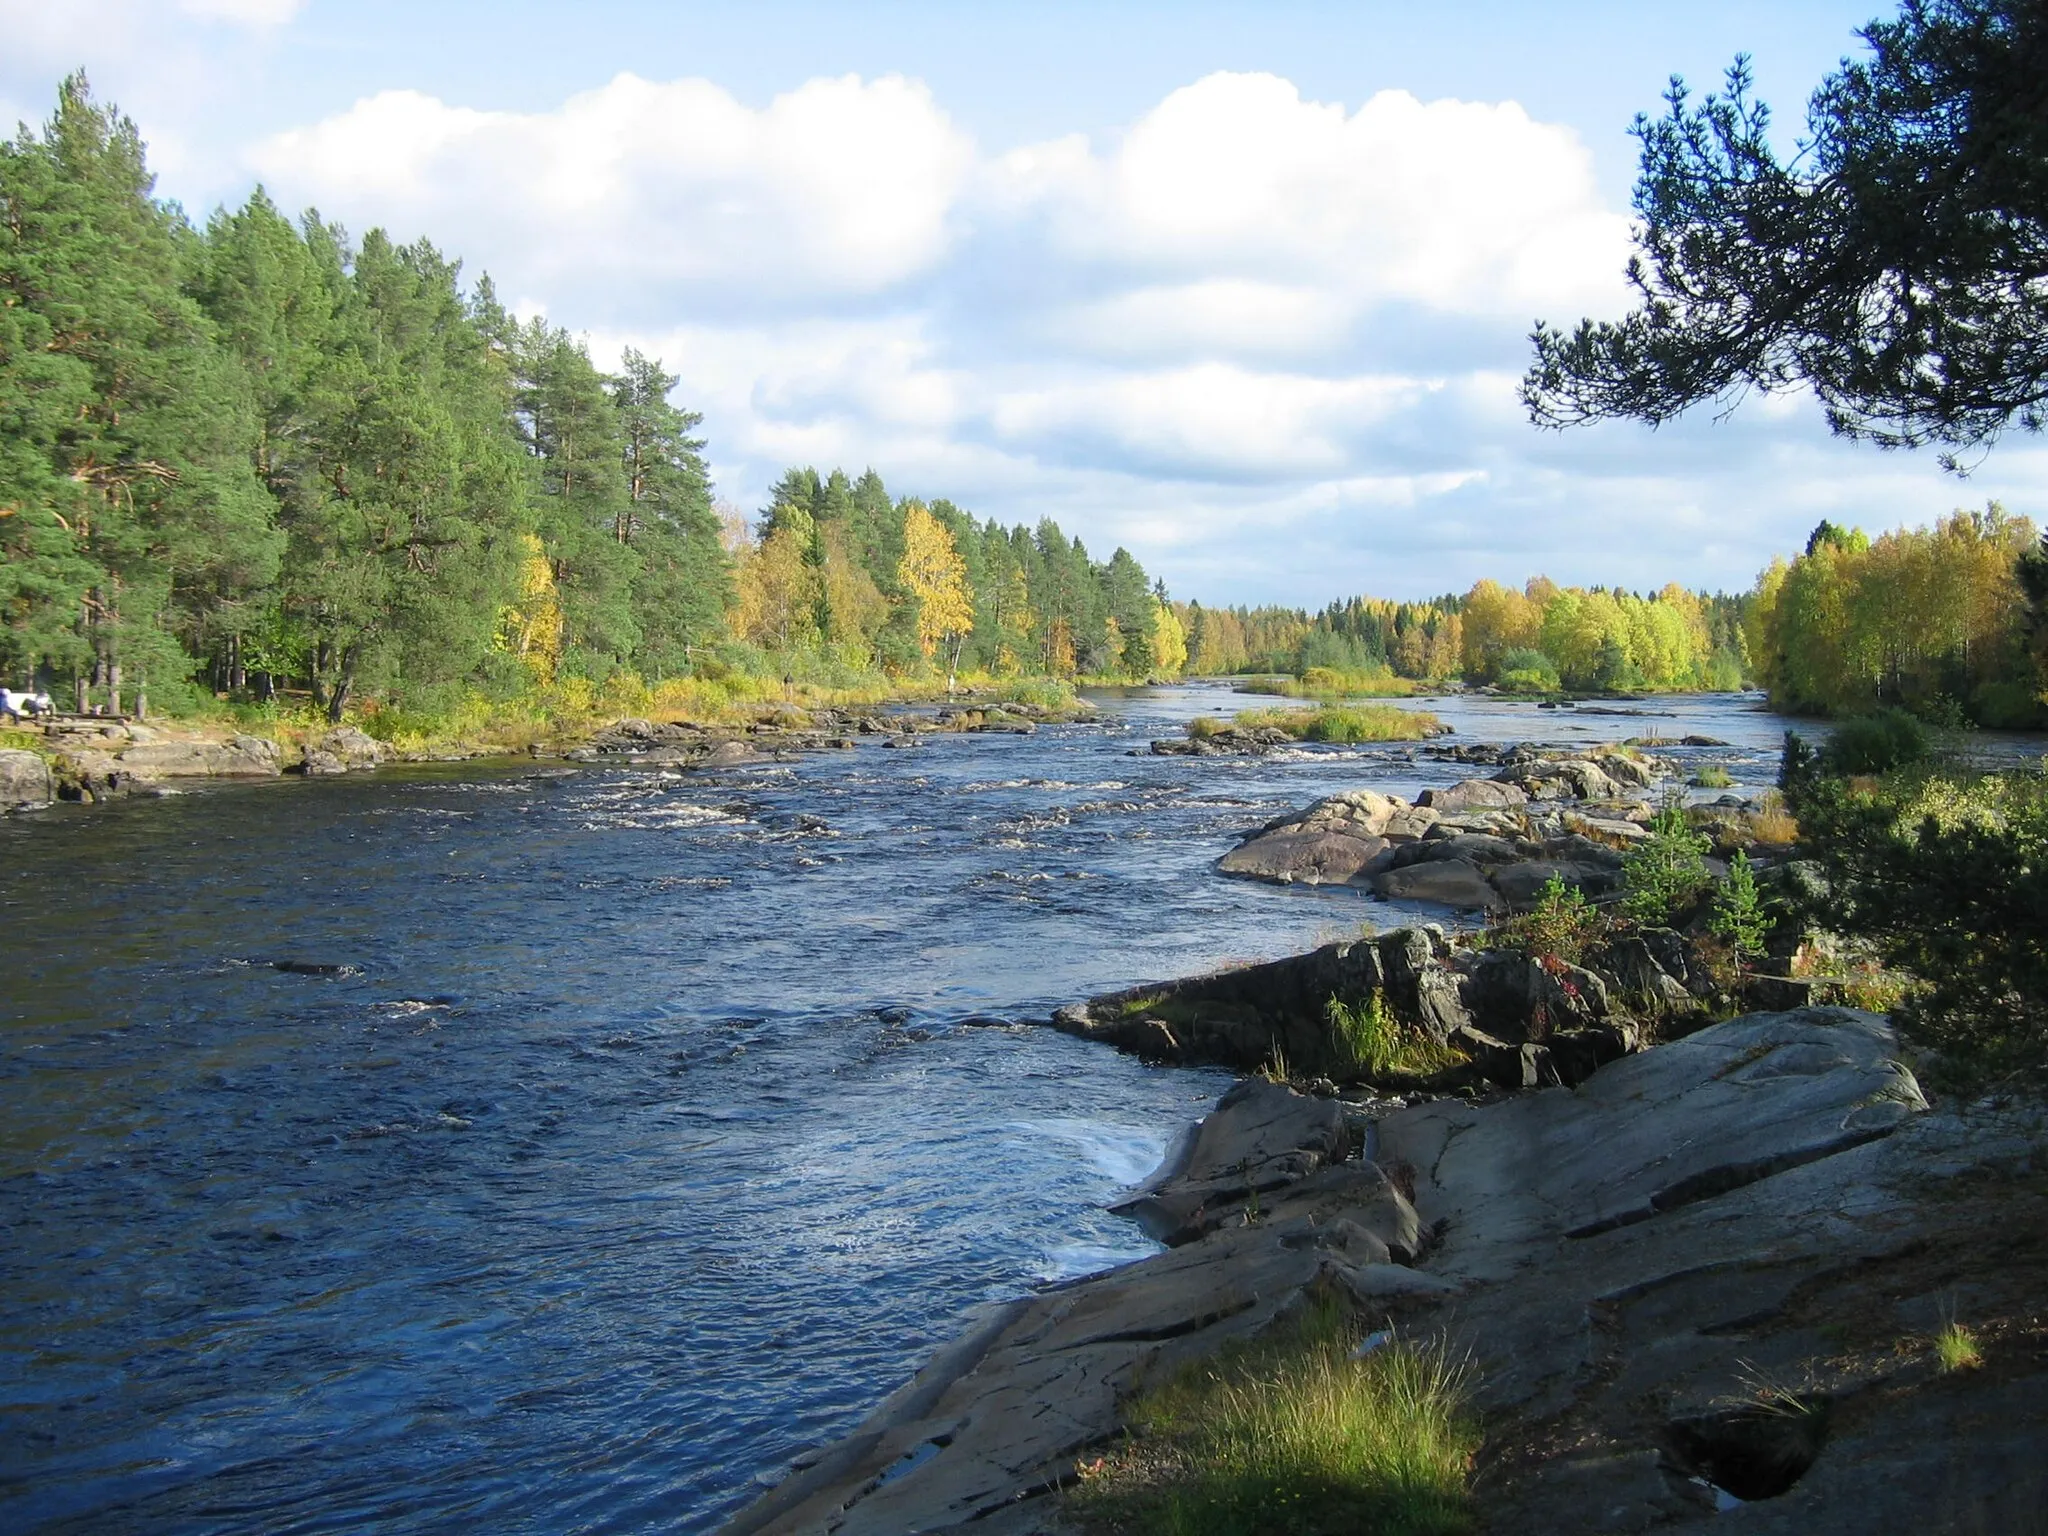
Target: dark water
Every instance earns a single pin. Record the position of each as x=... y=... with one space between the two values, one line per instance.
x=645 y=1143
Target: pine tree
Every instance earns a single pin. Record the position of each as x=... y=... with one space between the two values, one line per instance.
x=684 y=582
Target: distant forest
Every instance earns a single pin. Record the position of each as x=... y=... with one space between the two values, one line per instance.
x=260 y=458
x=1539 y=639
x=257 y=455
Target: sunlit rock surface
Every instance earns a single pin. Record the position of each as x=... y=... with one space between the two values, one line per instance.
x=1627 y=1257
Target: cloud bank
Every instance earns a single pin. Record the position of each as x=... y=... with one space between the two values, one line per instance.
x=1270 y=343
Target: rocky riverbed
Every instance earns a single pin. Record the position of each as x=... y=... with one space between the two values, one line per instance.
x=90 y=759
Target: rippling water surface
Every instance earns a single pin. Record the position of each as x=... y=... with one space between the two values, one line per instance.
x=647 y=1139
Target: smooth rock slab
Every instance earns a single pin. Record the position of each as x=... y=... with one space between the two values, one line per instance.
x=1312 y=856
x=1260 y=1137
x=1648 y=1134
x=1473 y=795
x=1448 y=882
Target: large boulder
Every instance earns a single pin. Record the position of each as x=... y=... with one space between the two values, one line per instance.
x=1449 y=882
x=1473 y=795
x=24 y=781
x=1261 y=1137
x=1481 y=848
x=1409 y=824
x=1520 y=884
x=1311 y=855
x=239 y=757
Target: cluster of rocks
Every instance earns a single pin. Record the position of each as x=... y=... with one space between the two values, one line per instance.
x=683 y=744
x=1634 y=1271
x=342 y=750
x=1480 y=844
x=88 y=759
x=1516 y=1019
x=669 y=744
x=1228 y=741
x=95 y=760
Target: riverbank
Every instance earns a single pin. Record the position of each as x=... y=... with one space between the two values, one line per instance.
x=89 y=759
x=1713 y=1275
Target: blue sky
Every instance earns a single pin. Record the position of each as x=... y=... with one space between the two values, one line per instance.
x=1242 y=287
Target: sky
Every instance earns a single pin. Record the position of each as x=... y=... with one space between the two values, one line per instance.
x=1244 y=288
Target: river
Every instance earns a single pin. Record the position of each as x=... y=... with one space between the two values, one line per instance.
x=643 y=1140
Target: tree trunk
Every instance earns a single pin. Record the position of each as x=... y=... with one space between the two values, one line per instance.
x=78 y=691
x=323 y=655
x=142 y=696
x=338 y=701
x=114 y=686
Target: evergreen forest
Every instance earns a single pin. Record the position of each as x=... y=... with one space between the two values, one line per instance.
x=259 y=461
x=259 y=456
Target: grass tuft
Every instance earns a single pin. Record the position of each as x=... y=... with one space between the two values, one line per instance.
x=1955 y=1346
x=1368 y=1041
x=1290 y=1435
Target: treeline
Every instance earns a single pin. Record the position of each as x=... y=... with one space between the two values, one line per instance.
x=841 y=572
x=256 y=456
x=1539 y=639
x=1949 y=622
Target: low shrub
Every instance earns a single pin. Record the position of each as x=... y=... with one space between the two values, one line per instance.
x=1527 y=671
x=1711 y=776
x=1293 y=1434
x=1946 y=877
x=1562 y=924
x=1667 y=871
x=1882 y=742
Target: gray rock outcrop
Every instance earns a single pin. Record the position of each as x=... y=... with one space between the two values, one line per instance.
x=24 y=781
x=1619 y=1263
x=97 y=760
x=1545 y=815
x=345 y=749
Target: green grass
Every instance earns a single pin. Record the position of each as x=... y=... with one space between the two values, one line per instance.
x=1712 y=776
x=1368 y=1041
x=1956 y=1348
x=1289 y=1435
x=1331 y=683
x=1341 y=723
x=23 y=741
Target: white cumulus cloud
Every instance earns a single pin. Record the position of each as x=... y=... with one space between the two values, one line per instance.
x=1270 y=343
x=839 y=187
x=244 y=13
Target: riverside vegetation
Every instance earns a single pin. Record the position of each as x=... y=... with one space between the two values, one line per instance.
x=263 y=461
x=319 y=478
